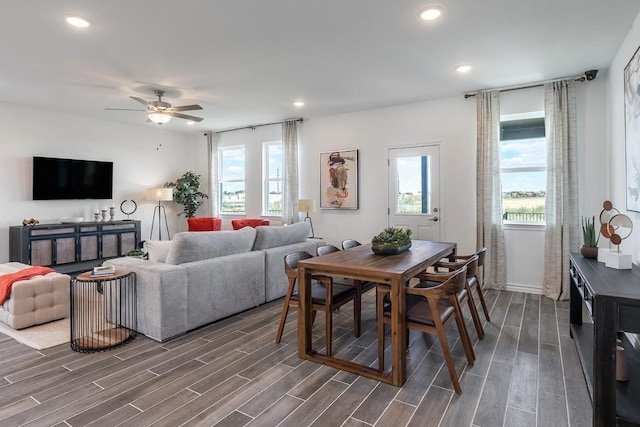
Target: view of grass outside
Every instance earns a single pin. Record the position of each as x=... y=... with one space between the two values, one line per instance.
x=525 y=208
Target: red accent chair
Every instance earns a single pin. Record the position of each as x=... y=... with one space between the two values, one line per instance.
x=204 y=223
x=237 y=224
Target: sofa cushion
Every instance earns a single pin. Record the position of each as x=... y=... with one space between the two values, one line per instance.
x=196 y=246
x=271 y=237
x=158 y=249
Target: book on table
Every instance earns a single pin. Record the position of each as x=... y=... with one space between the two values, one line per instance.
x=105 y=270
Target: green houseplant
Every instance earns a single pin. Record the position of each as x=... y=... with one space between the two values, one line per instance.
x=590 y=238
x=186 y=192
x=391 y=240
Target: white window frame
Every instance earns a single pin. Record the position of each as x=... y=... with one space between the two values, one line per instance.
x=523 y=116
x=266 y=180
x=222 y=181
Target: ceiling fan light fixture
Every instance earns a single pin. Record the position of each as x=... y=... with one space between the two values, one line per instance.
x=159 y=118
x=77 y=21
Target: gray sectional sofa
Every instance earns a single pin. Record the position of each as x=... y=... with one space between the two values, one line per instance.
x=207 y=276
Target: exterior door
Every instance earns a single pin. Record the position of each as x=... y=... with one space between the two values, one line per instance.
x=414 y=190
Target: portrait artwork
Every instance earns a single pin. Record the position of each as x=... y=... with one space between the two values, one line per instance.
x=339 y=179
x=632 y=130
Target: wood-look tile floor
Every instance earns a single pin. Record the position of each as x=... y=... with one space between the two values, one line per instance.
x=231 y=373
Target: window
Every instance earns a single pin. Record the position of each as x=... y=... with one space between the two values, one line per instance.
x=523 y=168
x=232 y=180
x=272 y=171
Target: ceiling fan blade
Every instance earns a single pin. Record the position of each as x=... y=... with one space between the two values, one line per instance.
x=124 y=109
x=187 y=107
x=184 y=116
x=140 y=100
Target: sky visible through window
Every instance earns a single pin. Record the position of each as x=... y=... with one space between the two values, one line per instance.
x=523 y=153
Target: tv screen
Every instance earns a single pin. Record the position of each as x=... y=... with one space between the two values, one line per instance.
x=68 y=179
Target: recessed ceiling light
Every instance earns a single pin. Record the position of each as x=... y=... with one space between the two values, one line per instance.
x=190 y=122
x=463 y=68
x=429 y=13
x=77 y=21
x=299 y=103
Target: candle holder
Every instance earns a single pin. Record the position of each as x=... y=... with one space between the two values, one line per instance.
x=104 y=215
x=112 y=213
x=96 y=216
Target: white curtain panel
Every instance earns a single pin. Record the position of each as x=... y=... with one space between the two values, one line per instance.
x=562 y=231
x=489 y=190
x=290 y=193
x=212 y=178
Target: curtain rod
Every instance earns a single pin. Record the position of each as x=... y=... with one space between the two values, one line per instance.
x=540 y=84
x=300 y=119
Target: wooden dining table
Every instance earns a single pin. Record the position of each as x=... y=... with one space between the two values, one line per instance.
x=360 y=263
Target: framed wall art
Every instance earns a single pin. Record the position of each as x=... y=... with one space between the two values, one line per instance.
x=632 y=130
x=339 y=179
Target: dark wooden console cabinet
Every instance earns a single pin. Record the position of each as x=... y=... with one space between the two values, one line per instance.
x=71 y=248
x=605 y=302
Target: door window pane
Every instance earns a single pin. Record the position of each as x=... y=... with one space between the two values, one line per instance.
x=413 y=186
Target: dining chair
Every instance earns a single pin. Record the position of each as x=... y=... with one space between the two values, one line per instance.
x=431 y=310
x=465 y=294
x=350 y=243
x=325 y=296
x=474 y=282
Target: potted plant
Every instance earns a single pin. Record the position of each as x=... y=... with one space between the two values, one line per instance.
x=391 y=240
x=590 y=238
x=186 y=193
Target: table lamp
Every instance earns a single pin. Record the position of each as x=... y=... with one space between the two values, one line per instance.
x=160 y=195
x=307 y=205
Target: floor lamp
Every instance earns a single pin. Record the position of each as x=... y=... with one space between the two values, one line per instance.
x=308 y=205
x=160 y=195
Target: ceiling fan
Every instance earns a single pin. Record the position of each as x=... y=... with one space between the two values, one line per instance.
x=160 y=112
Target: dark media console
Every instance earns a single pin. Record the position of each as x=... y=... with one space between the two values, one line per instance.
x=72 y=248
x=605 y=305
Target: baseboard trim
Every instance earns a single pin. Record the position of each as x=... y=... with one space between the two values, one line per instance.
x=529 y=289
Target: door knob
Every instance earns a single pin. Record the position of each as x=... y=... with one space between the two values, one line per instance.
x=435 y=219
x=435 y=209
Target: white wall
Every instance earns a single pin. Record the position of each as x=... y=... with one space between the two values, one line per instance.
x=143 y=157
x=616 y=137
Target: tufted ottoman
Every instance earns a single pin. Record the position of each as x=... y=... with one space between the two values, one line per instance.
x=40 y=299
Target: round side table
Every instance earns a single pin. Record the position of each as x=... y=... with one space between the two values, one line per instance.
x=103 y=310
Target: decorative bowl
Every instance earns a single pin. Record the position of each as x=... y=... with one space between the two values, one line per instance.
x=71 y=219
x=385 y=250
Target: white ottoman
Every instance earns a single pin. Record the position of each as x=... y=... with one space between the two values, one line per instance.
x=40 y=299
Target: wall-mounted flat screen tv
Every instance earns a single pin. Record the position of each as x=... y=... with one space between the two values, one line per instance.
x=69 y=179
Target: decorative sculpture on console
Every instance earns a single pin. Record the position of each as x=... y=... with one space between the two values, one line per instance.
x=30 y=222
x=616 y=227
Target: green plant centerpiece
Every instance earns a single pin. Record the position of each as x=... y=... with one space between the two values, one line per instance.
x=391 y=241
x=590 y=238
x=186 y=192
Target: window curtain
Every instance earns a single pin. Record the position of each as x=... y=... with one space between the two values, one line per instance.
x=489 y=189
x=212 y=178
x=290 y=194
x=561 y=234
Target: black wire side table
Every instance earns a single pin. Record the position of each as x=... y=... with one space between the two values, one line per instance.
x=103 y=311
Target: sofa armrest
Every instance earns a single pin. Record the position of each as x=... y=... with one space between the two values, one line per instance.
x=161 y=296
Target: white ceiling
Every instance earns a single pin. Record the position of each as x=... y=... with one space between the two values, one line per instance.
x=246 y=61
